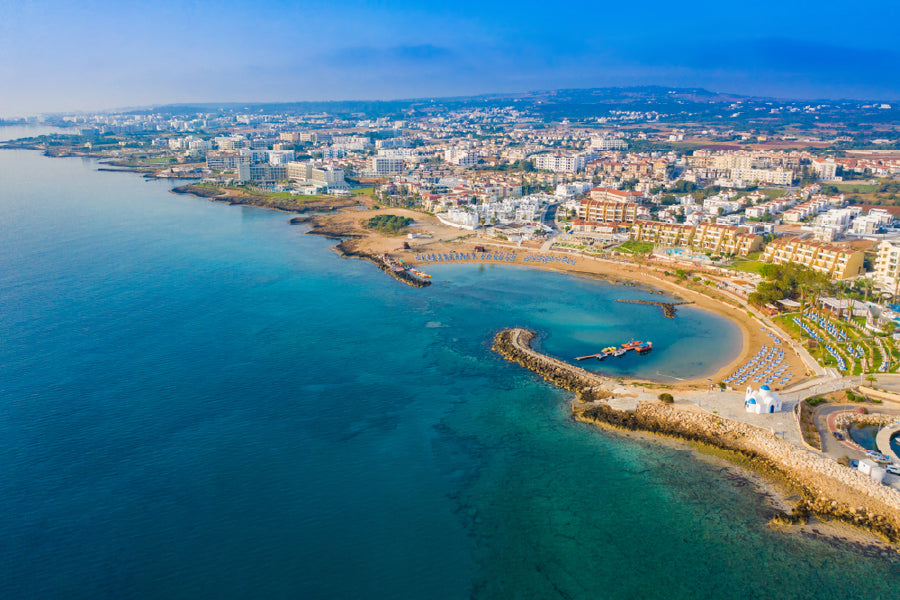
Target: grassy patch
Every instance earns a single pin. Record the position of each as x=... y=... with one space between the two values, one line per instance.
x=747 y=266
x=388 y=224
x=856 y=188
x=636 y=247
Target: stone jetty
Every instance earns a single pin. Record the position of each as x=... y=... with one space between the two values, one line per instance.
x=668 y=307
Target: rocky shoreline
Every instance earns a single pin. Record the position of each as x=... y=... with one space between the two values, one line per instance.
x=827 y=490
x=242 y=198
x=401 y=276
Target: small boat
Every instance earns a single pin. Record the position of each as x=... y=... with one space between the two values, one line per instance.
x=619 y=352
x=609 y=349
x=631 y=345
x=645 y=347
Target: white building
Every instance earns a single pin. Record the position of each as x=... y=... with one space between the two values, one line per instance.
x=382 y=166
x=773 y=176
x=826 y=169
x=279 y=157
x=461 y=157
x=308 y=172
x=871 y=223
x=762 y=401
x=608 y=143
x=559 y=163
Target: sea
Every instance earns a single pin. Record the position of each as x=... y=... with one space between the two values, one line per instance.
x=201 y=401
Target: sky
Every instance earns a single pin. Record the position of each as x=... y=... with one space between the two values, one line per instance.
x=58 y=56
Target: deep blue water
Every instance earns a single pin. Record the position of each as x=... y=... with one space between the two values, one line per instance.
x=199 y=400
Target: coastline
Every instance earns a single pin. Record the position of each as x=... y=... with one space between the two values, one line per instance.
x=826 y=490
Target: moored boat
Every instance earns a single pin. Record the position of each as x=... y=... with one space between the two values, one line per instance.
x=644 y=347
x=631 y=345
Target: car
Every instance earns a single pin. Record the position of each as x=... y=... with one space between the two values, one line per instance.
x=838 y=435
x=877 y=456
x=893 y=469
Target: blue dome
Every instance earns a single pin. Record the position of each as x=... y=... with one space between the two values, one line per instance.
x=751 y=401
x=765 y=388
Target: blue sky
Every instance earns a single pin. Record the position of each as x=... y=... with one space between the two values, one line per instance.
x=94 y=54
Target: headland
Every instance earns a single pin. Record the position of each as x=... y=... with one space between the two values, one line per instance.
x=827 y=490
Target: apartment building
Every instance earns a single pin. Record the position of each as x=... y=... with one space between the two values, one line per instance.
x=597 y=211
x=825 y=168
x=839 y=262
x=725 y=239
x=887 y=266
x=559 y=163
x=773 y=176
x=706 y=237
x=461 y=157
x=382 y=166
x=225 y=161
x=262 y=173
x=309 y=172
x=608 y=143
x=663 y=234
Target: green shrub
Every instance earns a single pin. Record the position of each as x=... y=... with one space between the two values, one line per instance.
x=816 y=401
x=666 y=398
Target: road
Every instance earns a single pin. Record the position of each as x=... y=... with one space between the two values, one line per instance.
x=548 y=218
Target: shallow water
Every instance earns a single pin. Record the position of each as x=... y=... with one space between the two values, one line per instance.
x=200 y=401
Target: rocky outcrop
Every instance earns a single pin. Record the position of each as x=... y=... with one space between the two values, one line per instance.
x=402 y=276
x=827 y=489
x=846 y=419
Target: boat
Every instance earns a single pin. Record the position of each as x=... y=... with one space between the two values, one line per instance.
x=609 y=349
x=619 y=352
x=419 y=273
x=631 y=345
x=644 y=347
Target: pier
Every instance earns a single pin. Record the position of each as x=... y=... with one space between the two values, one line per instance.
x=668 y=307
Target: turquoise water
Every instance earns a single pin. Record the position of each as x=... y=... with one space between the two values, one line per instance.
x=200 y=401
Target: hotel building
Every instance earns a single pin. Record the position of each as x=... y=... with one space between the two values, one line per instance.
x=839 y=262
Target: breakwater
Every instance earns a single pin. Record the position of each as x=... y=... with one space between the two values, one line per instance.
x=668 y=307
x=515 y=345
x=827 y=490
